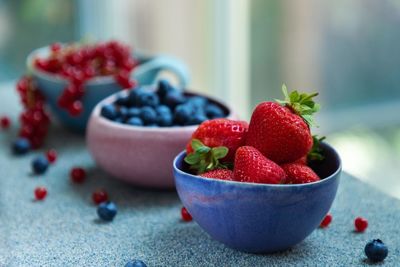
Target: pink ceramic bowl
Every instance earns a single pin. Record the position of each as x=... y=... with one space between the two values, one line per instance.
x=142 y=156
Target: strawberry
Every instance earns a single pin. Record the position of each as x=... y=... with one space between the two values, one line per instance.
x=299 y=174
x=221 y=132
x=315 y=153
x=281 y=130
x=223 y=174
x=302 y=160
x=252 y=166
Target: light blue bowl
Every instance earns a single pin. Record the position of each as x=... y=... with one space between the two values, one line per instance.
x=99 y=88
x=259 y=218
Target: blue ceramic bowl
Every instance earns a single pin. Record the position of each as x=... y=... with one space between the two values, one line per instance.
x=259 y=218
x=98 y=88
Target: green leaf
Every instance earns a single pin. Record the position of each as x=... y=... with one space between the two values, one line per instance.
x=196 y=144
x=219 y=152
x=192 y=158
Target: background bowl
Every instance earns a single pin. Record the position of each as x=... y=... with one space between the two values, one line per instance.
x=139 y=155
x=259 y=218
x=99 y=88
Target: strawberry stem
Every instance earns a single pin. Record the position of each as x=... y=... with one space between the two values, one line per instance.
x=205 y=158
x=300 y=103
x=316 y=150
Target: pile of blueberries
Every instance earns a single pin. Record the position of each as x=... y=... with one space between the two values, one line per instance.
x=164 y=107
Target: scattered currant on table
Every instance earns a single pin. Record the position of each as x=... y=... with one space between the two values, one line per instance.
x=326 y=221
x=135 y=263
x=186 y=215
x=163 y=106
x=107 y=211
x=21 y=146
x=360 y=224
x=99 y=196
x=77 y=175
x=40 y=164
x=34 y=118
x=79 y=63
x=40 y=193
x=51 y=155
x=5 y=122
x=376 y=250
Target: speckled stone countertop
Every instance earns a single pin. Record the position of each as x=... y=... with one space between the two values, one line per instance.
x=63 y=230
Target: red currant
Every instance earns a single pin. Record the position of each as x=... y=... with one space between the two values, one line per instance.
x=51 y=155
x=55 y=47
x=40 y=193
x=326 y=221
x=78 y=175
x=99 y=196
x=360 y=224
x=76 y=108
x=186 y=215
x=5 y=122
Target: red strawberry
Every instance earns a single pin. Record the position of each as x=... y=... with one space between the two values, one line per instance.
x=302 y=160
x=280 y=130
x=299 y=174
x=223 y=174
x=221 y=132
x=252 y=166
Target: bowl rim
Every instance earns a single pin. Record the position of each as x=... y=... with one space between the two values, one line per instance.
x=108 y=79
x=260 y=185
x=96 y=114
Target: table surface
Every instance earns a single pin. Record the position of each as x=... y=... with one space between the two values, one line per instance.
x=63 y=230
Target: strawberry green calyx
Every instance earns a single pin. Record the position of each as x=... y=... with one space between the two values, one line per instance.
x=300 y=103
x=316 y=150
x=205 y=158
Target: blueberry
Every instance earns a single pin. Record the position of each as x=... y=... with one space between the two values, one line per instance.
x=107 y=211
x=164 y=119
x=109 y=111
x=173 y=99
x=183 y=114
x=123 y=101
x=147 y=99
x=148 y=115
x=196 y=119
x=123 y=112
x=135 y=263
x=198 y=101
x=134 y=112
x=213 y=111
x=119 y=120
x=135 y=121
x=163 y=88
x=40 y=164
x=134 y=96
x=162 y=109
x=21 y=146
x=376 y=250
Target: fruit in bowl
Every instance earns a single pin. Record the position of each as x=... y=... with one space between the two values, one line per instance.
x=135 y=135
x=75 y=77
x=277 y=187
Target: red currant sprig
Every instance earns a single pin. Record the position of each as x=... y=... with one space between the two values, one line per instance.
x=78 y=64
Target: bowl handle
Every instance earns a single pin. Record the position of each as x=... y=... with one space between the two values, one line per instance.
x=149 y=68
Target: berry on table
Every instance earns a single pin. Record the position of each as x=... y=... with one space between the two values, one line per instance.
x=186 y=215
x=40 y=193
x=77 y=175
x=376 y=250
x=21 y=146
x=5 y=122
x=107 y=211
x=40 y=164
x=99 y=196
x=135 y=263
x=326 y=221
x=51 y=155
x=360 y=224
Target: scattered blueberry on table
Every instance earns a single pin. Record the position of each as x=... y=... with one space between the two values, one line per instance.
x=376 y=250
x=107 y=211
x=135 y=263
x=40 y=164
x=165 y=106
x=21 y=146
